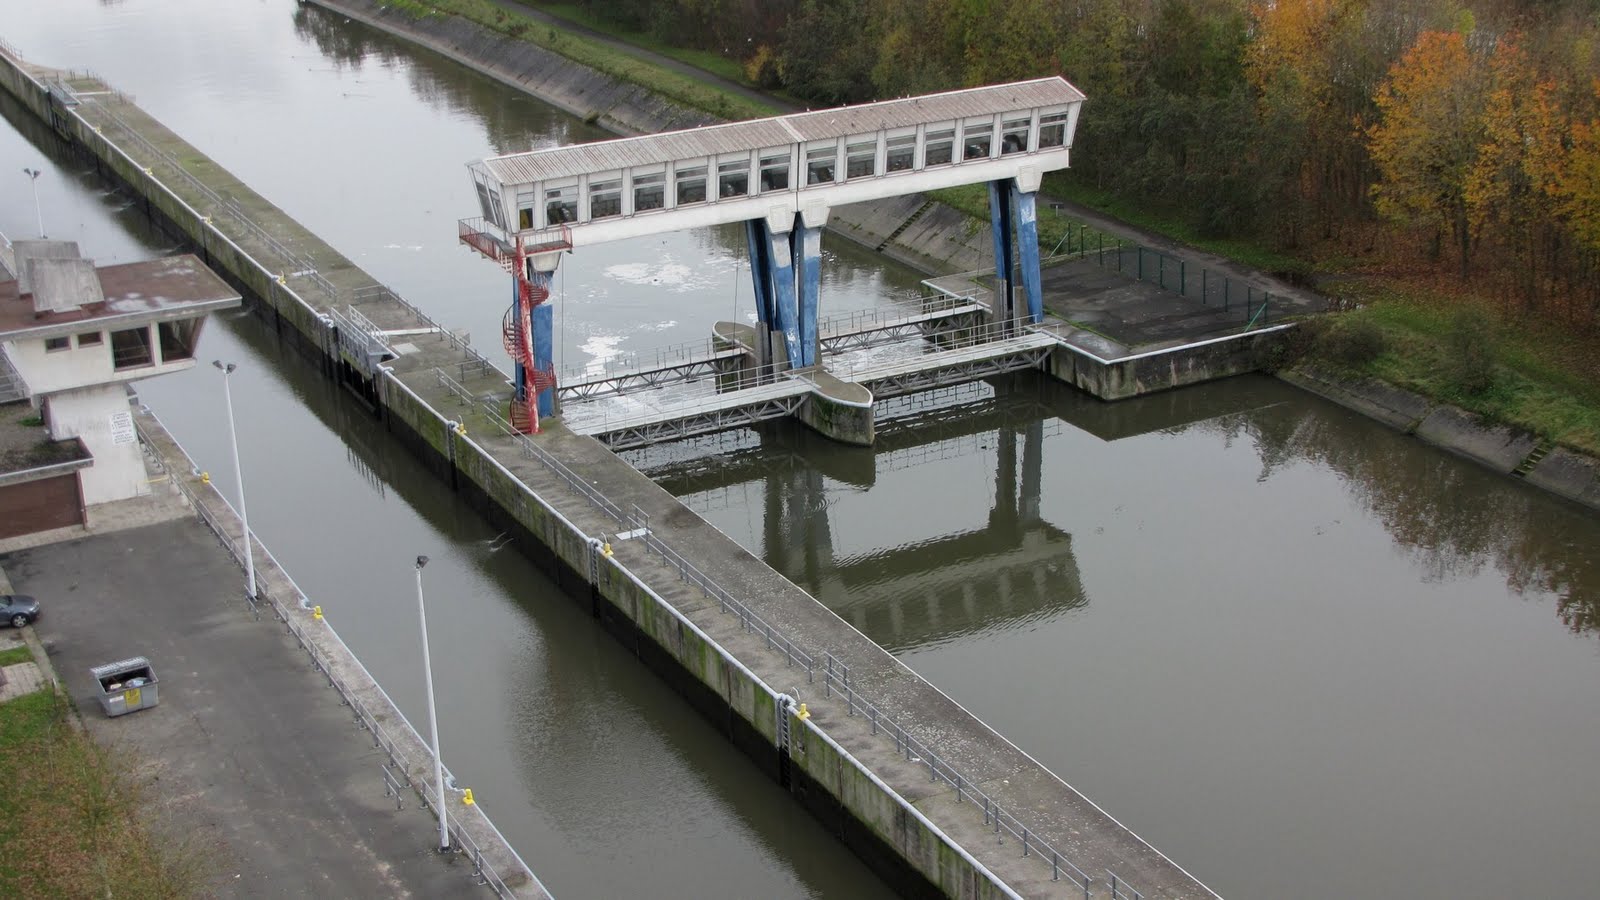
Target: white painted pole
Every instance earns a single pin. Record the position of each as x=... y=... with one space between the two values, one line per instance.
x=33 y=175
x=238 y=478
x=433 y=716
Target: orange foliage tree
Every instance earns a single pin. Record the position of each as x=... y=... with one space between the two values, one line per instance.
x=1426 y=139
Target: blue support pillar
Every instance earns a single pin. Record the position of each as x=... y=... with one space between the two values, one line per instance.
x=1000 y=226
x=757 y=242
x=1024 y=218
x=808 y=252
x=783 y=294
x=543 y=357
x=755 y=233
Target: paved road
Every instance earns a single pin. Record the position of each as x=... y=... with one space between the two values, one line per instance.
x=249 y=752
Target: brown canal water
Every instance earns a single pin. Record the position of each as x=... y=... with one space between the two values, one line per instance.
x=1301 y=654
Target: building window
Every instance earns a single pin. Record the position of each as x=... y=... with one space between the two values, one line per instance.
x=902 y=152
x=90 y=339
x=977 y=137
x=937 y=148
x=51 y=345
x=525 y=218
x=820 y=163
x=560 y=205
x=775 y=172
x=605 y=199
x=177 y=339
x=733 y=178
x=1053 y=130
x=1014 y=136
x=649 y=191
x=861 y=159
x=130 y=349
x=691 y=184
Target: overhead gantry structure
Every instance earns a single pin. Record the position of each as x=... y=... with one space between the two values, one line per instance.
x=780 y=176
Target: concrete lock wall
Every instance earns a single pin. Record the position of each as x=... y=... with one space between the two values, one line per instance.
x=1163 y=369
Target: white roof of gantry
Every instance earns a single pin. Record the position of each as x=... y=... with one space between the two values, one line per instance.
x=778 y=131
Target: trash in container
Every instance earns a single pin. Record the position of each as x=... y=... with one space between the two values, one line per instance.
x=125 y=686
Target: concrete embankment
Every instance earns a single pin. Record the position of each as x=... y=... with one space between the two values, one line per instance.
x=1502 y=448
x=929 y=795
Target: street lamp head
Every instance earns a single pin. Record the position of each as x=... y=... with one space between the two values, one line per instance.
x=31 y=173
x=226 y=369
x=421 y=561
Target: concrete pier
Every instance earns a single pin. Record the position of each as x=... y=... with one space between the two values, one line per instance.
x=936 y=800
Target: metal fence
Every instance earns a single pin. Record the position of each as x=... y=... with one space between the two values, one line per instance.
x=364 y=715
x=836 y=678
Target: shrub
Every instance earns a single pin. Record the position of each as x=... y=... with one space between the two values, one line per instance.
x=1470 y=351
x=1352 y=343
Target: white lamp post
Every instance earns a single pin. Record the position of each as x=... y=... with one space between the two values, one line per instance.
x=238 y=478
x=33 y=176
x=433 y=717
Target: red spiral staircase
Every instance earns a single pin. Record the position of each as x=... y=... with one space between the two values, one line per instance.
x=517 y=331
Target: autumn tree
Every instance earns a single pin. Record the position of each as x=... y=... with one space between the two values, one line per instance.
x=1426 y=139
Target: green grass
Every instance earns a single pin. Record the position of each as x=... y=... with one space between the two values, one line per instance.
x=672 y=85
x=1063 y=184
x=1535 y=384
x=973 y=200
x=715 y=63
x=70 y=815
x=15 y=655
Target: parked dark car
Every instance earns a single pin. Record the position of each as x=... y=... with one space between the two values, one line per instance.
x=18 y=610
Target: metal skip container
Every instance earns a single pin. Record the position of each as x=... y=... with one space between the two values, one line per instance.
x=126 y=685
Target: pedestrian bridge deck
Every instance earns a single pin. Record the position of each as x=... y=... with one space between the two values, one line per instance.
x=642 y=421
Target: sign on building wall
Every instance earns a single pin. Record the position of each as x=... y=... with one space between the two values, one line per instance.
x=122 y=428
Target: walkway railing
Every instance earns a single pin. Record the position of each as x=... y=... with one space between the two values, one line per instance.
x=365 y=716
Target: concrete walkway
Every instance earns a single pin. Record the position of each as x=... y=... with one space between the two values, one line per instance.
x=249 y=754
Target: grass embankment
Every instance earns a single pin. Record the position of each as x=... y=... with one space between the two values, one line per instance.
x=1459 y=351
x=715 y=63
x=674 y=86
x=69 y=816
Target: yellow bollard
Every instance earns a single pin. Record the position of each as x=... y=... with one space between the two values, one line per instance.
x=466 y=797
x=316 y=613
x=803 y=714
x=283 y=280
x=205 y=477
x=461 y=429
x=605 y=549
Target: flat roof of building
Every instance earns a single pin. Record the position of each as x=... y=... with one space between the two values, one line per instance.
x=779 y=131
x=166 y=288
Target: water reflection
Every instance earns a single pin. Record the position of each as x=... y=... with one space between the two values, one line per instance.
x=1452 y=518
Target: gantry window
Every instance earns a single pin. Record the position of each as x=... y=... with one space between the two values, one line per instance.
x=561 y=205
x=733 y=178
x=861 y=158
x=775 y=171
x=649 y=191
x=605 y=198
x=1014 y=136
x=937 y=149
x=901 y=155
x=977 y=137
x=691 y=184
x=1053 y=130
x=821 y=163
